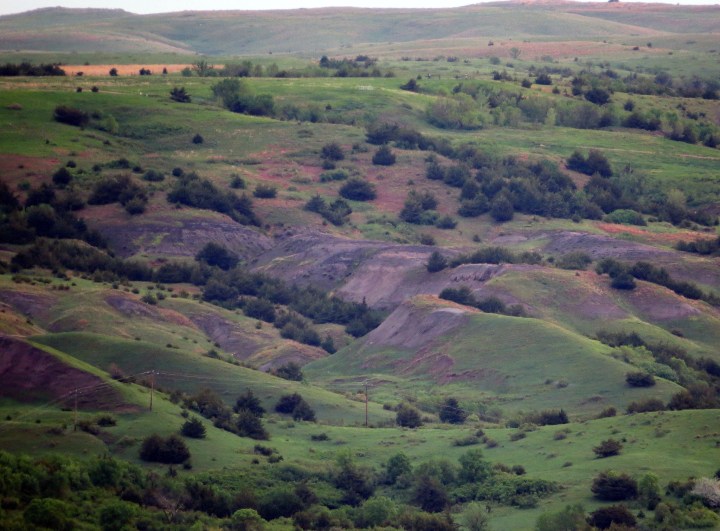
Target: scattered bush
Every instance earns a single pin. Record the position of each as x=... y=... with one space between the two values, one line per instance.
x=639 y=379
x=358 y=190
x=613 y=486
x=608 y=448
x=265 y=191
x=170 y=450
x=71 y=116
x=384 y=157
x=193 y=428
x=408 y=417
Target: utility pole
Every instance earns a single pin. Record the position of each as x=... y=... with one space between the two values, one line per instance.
x=366 y=404
x=75 y=415
x=152 y=388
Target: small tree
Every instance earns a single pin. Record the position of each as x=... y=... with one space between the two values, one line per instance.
x=62 y=177
x=431 y=495
x=250 y=402
x=501 y=208
x=515 y=52
x=451 y=412
x=193 y=428
x=358 y=190
x=303 y=411
x=289 y=371
x=608 y=448
x=332 y=151
x=436 y=262
x=612 y=486
x=113 y=72
x=408 y=417
x=384 y=157
x=640 y=379
x=250 y=425
x=216 y=255
x=606 y=517
x=180 y=95
x=198 y=139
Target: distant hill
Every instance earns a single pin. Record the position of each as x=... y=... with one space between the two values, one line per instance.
x=315 y=31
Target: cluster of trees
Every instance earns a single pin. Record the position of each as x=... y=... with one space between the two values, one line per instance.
x=361 y=66
x=28 y=69
x=71 y=116
x=236 y=96
x=258 y=294
x=170 y=450
x=122 y=189
x=703 y=246
x=244 y=420
x=192 y=190
x=463 y=295
x=623 y=276
x=338 y=212
x=48 y=212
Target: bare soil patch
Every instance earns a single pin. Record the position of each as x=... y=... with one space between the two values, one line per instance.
x=29 y=374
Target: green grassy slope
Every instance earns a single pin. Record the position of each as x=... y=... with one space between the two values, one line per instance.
x=236 y=32
x=516 y=363
x=183 y=371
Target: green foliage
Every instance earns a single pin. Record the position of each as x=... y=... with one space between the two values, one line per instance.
x=595 y=162
x=249 y=401
x=430 y=494
x=451 y=412
x=214 y=254
x=436 y=262
x=193 y=428
x=153 y=176
x=408 y=417
x=71 y=116
x=249 y=425
x=170 y=450
x=337 y=212
x=576 y=260
x=265 y=191
x=625 y=217
x=358 y=190
x=608 y=448
x=397 y=467
x=117 y=515
x=473 y=467
x=193 y=191
x=332 y=151
x=639 y=379
x=614 y=486
x=572 y=518
x=606 y=517
x=289 y=371
x=62 y=177
x=180 y=95
x=296 y=406
x=384 y=157
x=419 y=208
x=48 y=513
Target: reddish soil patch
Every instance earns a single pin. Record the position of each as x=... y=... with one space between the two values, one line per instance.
x=667 y=238
x=123 y=70
x=29 y=374
x=32 y=305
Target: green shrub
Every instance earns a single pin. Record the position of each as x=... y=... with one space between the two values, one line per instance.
x=625 y=217
x=384 y=157
x=265 y=191
x=358 y=190
x=193 y=428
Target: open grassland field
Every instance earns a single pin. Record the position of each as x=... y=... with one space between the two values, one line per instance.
x=354 y=268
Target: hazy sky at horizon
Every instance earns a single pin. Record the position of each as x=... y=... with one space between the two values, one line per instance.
x=164 y=6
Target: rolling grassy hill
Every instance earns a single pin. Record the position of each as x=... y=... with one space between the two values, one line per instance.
x=426 y=349
x=318 y=30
